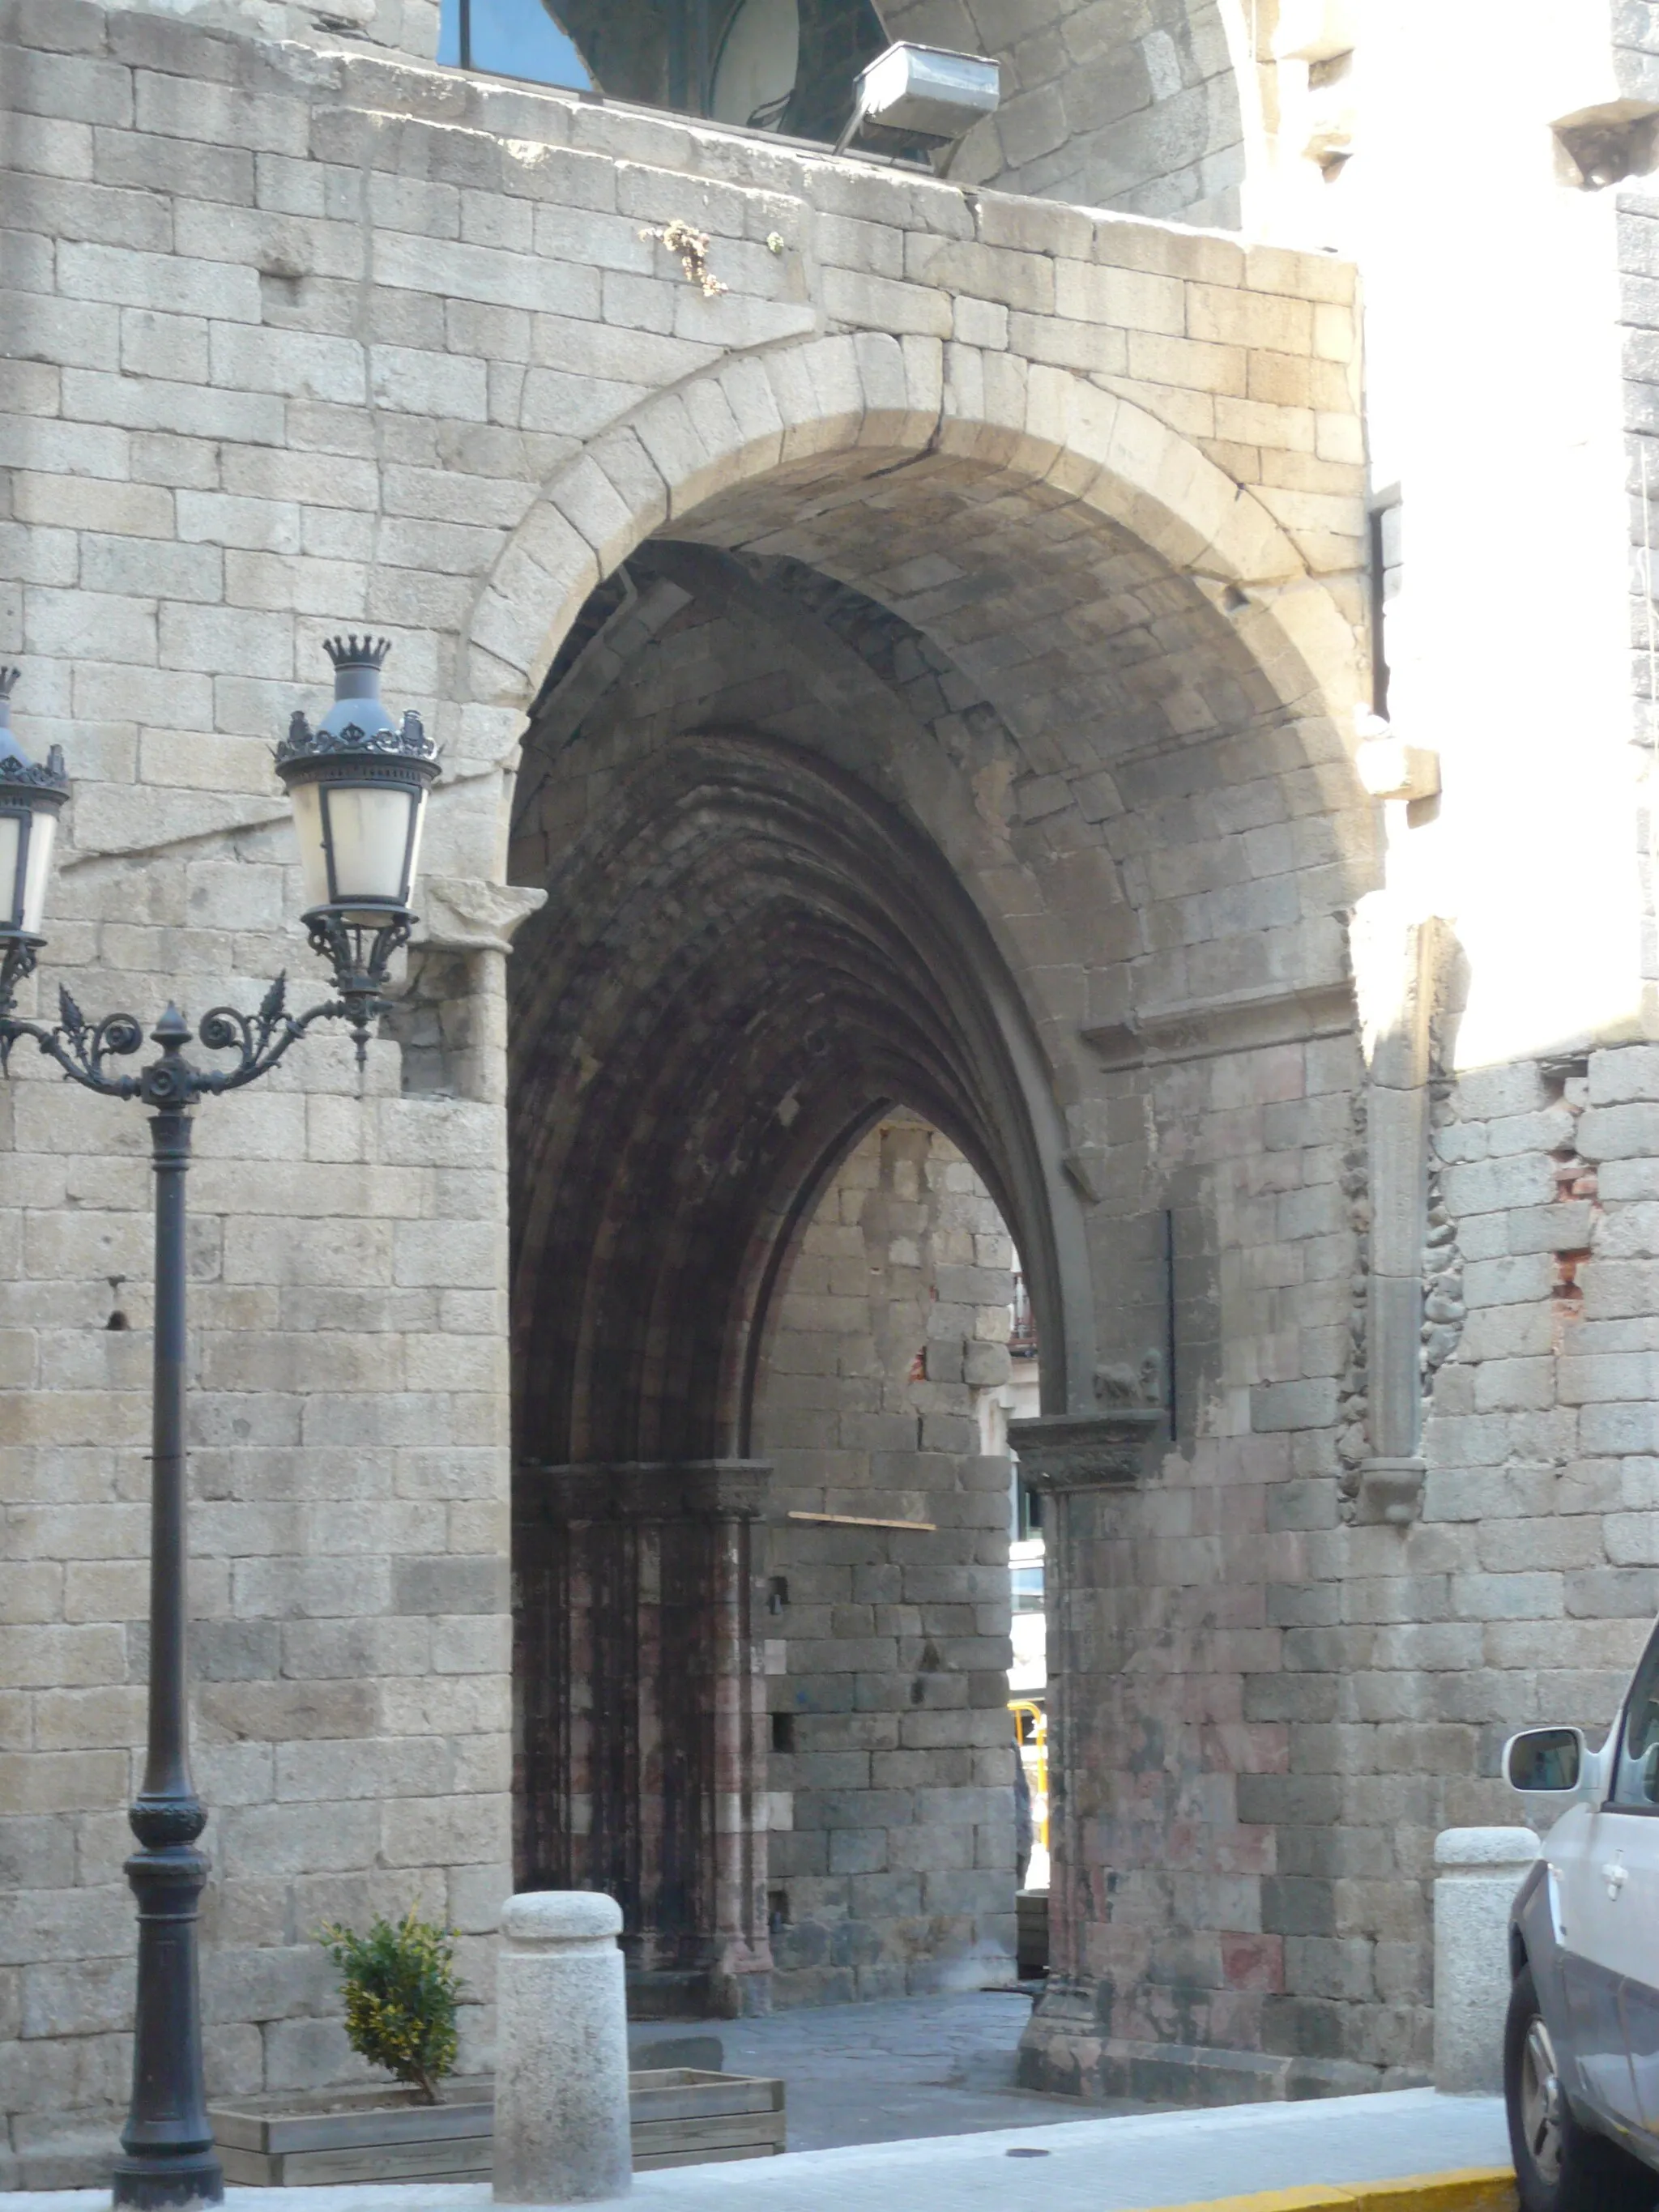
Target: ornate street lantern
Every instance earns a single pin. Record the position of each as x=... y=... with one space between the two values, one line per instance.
x=358 y=784
x=32 y=795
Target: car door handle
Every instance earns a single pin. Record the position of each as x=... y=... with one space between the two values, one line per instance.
x=1616 y=1876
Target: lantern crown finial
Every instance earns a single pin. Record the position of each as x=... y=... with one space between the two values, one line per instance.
x=353 y=652
x=357 y=723
x=49 y=779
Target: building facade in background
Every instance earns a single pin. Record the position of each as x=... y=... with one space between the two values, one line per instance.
x=1093 y=700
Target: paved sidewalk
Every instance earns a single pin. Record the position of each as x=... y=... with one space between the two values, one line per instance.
x=892 y=2071
x=1113 y=2165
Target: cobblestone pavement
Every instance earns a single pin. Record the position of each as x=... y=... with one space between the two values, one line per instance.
x=888 y=2072
x=1120 y=2164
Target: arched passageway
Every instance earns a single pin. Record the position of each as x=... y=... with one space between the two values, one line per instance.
x=746 y=960
x=895 y=1843
x=875 y=779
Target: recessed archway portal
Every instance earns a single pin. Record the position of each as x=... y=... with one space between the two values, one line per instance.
x=840 y=793
x=752 y=962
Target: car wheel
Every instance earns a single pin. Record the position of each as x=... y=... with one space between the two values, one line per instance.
x=1559 y=2167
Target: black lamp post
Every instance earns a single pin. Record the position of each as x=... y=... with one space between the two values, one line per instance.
x=359 y=784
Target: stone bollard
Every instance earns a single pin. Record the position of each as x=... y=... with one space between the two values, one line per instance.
x=1477 y=1873
x=561 y=2125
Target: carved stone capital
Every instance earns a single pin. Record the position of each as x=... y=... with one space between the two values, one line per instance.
x=463 y=913
x=1086 y=1451
x=670 y=1490
x=1391 y=768
x=1390 y=1493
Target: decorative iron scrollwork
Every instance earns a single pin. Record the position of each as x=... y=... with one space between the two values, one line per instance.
x=83 y=1048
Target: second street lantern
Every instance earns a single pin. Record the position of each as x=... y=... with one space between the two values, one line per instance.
x=32 y=796
x=358 y=783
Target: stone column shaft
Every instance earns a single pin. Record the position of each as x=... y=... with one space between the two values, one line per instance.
x=642 y=1746
x=1072 y=1459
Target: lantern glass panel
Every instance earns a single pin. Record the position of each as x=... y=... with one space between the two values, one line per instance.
x=37 y=868
x=369 y=839
x=308 y=803
x=11 y=830
x=412 y=868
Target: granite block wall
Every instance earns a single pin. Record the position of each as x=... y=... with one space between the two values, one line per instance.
x=1039 y=528
x=891 y=1851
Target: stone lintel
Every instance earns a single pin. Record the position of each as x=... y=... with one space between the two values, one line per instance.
x=644 y=1490
x=1241 y=1022
x=1086 y=1451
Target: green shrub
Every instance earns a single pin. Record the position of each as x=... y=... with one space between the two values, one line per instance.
x=401 y=1990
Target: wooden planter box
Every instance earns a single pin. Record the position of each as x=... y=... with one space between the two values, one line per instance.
x=377 y=2133
x=681 y=2116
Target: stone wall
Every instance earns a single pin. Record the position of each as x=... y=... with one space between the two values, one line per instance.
x=408 y=27
x=1179 y=1810
x=891 y=1855
x=1034 y=537
x=976 y=709
x=347 y=1266
x=950 y=632
x=1103 y=103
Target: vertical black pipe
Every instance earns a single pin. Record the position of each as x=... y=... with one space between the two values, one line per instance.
x=1376 y=529
x=679 y=57
x=168 y=2142
x=700 y=86
x=463 y=23
x=1169 y=1314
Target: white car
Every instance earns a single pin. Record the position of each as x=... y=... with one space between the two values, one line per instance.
x=1581 y=2049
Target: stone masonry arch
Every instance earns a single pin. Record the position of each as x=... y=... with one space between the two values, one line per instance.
x=888 y=401
x=744 y=960
x=729 y=882
x=1121 y=628
x=788 y=895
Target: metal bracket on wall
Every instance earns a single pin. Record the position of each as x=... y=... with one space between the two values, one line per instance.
x=860 y=1521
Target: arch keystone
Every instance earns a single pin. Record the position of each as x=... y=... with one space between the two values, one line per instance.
x=890 y=417
x=683 y=459
x=754 y=407
x=594 y=507
x=832 y=367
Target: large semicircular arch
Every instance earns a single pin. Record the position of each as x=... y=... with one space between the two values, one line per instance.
x=871 y=397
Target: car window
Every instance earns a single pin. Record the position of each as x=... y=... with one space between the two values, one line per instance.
x=1636 y=1780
